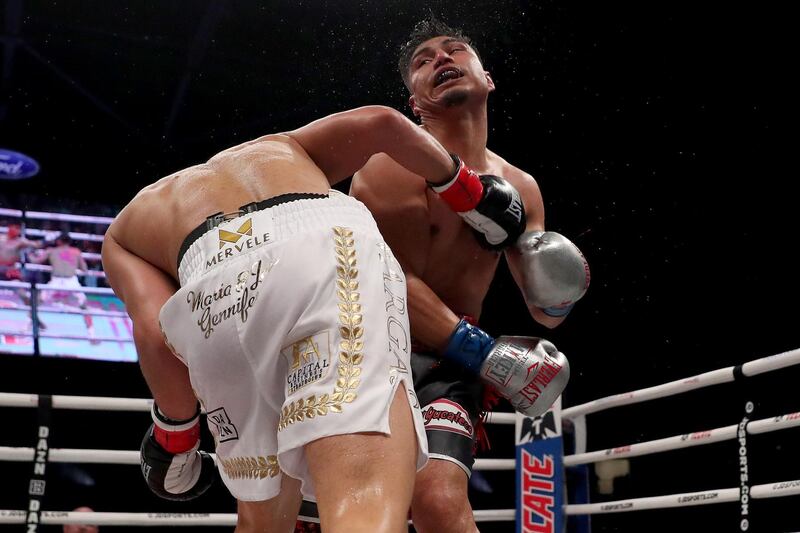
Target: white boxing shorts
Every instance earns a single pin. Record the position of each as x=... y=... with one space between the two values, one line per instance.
x=292 y=320
x=63 y=282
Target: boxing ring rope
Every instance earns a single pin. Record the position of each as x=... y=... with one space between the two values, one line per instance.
x=175 y=519
x=688 y=499
x=770 y=490
x=677 y=442
x=715 y=377
x=16 y=213
x=47 y=268
x=65 y=217
x=60 y=217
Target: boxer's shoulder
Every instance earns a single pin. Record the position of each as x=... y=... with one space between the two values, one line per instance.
x=160 y=216
x=383 y=180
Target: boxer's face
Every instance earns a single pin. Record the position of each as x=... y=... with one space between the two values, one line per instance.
x=445 y=72
x=13 y=231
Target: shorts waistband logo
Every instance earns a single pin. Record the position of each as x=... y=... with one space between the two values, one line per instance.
x=231 y=237
x=232 y=243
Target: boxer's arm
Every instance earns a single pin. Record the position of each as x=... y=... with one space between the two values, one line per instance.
x=341 y=143
x=534 y=210
x=432 y=322
x=399 y=204
x=144 y=289
x=25 y=243
x=81 y=261
x=37 y=256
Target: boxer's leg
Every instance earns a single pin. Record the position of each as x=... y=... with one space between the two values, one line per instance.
x=276 y=515
x=441 y=500
x=364 y=481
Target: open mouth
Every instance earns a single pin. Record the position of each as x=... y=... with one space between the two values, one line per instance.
x=445 y=75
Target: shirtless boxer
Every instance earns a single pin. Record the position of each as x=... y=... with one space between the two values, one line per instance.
x=65 y=260
x=10 y=254
x=286 y=315
x=447 y=271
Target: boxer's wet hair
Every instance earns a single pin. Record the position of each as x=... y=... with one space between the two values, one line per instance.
x=425 y=30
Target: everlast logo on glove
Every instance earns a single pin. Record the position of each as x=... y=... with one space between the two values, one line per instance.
x=530 y=372
x=515 y=208
x=547 y=370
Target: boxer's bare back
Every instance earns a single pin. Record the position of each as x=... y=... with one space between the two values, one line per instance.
x=155 y=223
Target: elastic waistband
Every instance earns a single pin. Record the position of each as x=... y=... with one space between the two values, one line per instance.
x=212 y=221
x=265 y=224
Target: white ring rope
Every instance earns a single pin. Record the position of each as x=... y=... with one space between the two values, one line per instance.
x=109 y=403
x=9 y=213
x=89 y=403
x=688 y=499
x=715 y=377
x=684 y=441
x=47 y=268
x=768 y=490
x=72 y=455
x=39 y=215
x=131 y=457
x=50 y=234
x=87 y=290
x=181 y=519
x=66 y=311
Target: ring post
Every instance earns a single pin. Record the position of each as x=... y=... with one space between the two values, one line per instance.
x=540 y=473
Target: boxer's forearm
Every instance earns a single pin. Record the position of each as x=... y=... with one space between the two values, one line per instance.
x=415 y=149
x=166 y=376
x=432 y=322
x=340 y=144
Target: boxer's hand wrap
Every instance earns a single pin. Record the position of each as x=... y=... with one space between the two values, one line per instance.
x=529 y=372
x=555 y=273
x=489 y=204
x=172 y=464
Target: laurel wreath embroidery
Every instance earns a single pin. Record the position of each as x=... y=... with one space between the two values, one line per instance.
x=250 y=467
x=351 y=345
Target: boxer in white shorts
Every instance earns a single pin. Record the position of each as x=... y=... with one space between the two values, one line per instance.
x=312 y=359
x=288 y=321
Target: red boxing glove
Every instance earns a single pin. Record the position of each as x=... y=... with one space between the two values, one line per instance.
x=175 y=436
x=464 y=191
x=490 y=205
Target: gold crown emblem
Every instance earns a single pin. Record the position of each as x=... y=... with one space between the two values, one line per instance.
x=233 y=237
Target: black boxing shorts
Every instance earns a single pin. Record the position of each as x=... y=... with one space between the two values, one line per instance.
x=452 y=403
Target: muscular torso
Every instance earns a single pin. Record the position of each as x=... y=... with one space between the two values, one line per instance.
x=457 y=269
x=9 y=252
x=155 y=223
x=432 y=241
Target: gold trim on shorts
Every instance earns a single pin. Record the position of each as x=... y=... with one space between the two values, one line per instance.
x=250 y=467
x=351 y=345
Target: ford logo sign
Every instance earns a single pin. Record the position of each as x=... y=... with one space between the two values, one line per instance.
x=16 y=166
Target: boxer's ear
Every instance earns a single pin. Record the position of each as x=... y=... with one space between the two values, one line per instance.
x=413 y=103
x=489 y=80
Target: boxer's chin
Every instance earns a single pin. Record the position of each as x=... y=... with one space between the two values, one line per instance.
x=454 y=97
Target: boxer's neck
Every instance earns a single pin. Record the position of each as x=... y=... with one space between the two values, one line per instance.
x=462 y=130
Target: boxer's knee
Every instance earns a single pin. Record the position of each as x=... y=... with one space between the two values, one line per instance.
x=276 y=515
x=441 y=501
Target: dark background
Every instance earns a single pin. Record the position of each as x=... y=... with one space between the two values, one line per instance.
x=658 y=133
